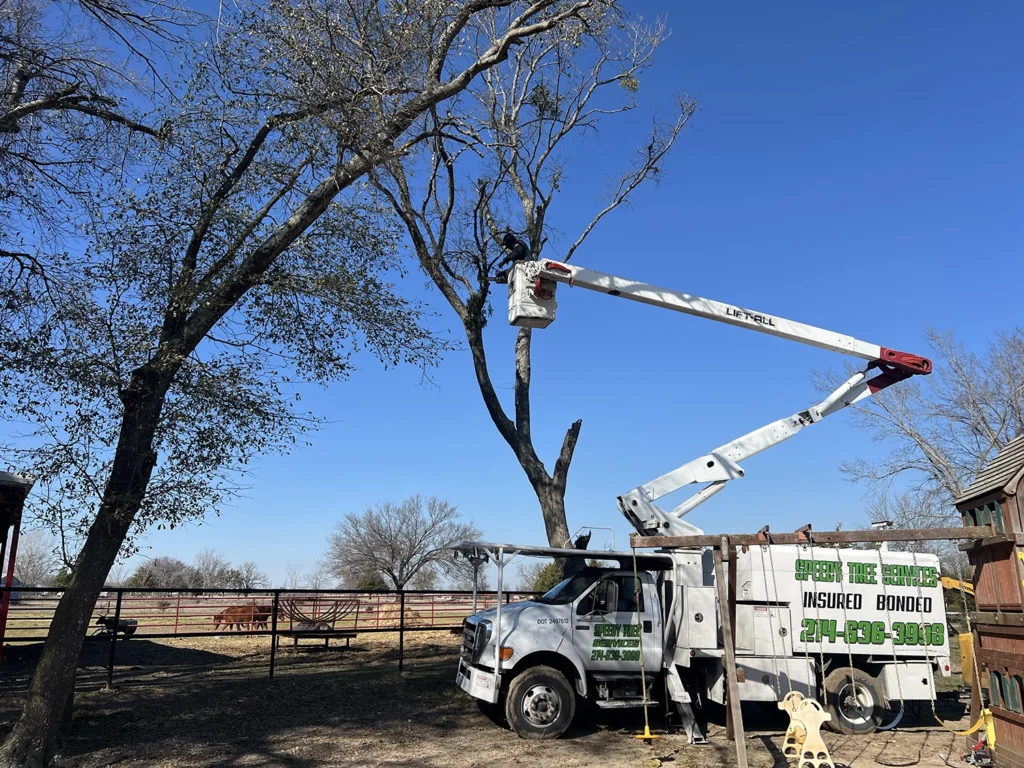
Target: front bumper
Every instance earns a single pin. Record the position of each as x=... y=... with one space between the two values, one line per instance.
x=478 y=683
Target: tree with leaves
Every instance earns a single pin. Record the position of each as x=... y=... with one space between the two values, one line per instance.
x=369 y=581
x=539 y=575
x=406 y=543
x=156 y=361
x=162 y=573
x=66 y=120
x=495 y=164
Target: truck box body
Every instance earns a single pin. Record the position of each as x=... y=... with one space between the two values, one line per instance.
x=838 y=598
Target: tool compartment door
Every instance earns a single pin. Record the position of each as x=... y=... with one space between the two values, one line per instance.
x=699 y=626
x=763 y=630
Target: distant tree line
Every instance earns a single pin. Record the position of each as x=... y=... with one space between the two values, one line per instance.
x=389 y=545
x=209 y=570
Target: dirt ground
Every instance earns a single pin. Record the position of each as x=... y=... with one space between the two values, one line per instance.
x=207 y=702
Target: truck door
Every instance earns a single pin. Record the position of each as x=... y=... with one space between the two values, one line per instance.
x=608 y=626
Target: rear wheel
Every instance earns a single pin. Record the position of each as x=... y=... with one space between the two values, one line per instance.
x=540 y=703
x=854 y=700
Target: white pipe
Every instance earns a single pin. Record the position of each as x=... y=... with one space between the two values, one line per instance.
x=497 y=614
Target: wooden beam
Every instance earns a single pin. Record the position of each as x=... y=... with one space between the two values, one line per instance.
x=729 y=667
x=1003 y=619
x=819 y=537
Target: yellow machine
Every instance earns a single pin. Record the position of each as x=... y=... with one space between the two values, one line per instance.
x=966 y=641
x=951 y=583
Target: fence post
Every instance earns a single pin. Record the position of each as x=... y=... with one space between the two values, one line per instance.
x=177 y=612
x=273 y=632
x=508 y=597
x=433 y=599
x=113 y=642
x=401 y=631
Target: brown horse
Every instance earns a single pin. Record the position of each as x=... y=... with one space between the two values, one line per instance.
x=260 y=615
x=240 y=616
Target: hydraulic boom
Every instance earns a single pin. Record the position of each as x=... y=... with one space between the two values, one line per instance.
x=532 y=303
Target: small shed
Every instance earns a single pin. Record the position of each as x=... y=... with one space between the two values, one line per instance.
x=13 y=491
x=994 y=500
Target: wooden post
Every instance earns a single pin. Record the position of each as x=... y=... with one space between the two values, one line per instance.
x=729 y=667
x=730 y=557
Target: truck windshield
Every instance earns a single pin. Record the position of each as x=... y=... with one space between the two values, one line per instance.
x=567 y=590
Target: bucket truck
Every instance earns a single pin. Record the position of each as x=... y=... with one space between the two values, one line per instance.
x=860 y=628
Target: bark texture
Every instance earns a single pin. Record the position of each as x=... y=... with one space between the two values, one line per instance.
x=34 y=738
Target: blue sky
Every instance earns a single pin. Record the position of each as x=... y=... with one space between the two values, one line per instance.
x=855 y=167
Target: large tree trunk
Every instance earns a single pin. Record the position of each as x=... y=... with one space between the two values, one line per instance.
x=552 y=506
x=34 y=739
x=549 y=487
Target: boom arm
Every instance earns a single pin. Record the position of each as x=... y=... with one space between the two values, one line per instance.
x=723 y=464
x=532 y=304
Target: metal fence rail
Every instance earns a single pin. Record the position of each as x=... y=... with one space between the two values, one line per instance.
x=171 y=613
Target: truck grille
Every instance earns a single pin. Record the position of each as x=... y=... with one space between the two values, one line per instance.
x=474 y=639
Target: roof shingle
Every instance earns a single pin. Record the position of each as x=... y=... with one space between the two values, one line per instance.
x=999 y=471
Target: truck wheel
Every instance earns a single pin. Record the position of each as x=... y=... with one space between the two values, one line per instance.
x=854 y=700
x=540 y=704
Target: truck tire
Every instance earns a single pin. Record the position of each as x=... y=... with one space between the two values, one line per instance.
x=540 y=703
x=854 y=700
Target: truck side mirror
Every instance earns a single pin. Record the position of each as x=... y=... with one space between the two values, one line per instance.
x=611 y=596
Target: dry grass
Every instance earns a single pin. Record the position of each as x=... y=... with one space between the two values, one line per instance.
x=207 y=702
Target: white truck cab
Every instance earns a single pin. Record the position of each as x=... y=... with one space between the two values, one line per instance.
x=585 y=637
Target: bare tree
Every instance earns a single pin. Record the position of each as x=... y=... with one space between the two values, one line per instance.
x=293 y=575
x=242 y=254
x=249 y=576
x=118 y=576
x=464 y=580
x=36 y=561
x=320 y=577
x=497 y=166
x=940 y=430
x=211 y=570
x=400 y=541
